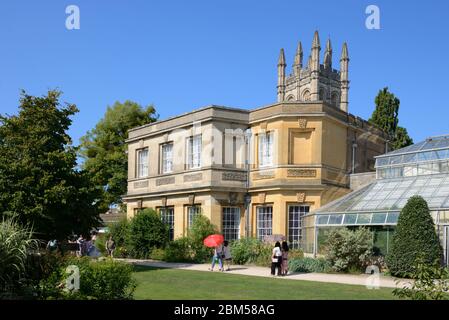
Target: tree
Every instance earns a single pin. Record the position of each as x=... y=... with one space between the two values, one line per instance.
x=38 y=178
x=146 y=231
x=386 y=118
x=415 y=238
x=104 y=149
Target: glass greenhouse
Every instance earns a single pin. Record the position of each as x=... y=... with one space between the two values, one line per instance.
x=421 y=169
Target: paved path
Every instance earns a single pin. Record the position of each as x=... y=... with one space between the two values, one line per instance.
x=361 y=279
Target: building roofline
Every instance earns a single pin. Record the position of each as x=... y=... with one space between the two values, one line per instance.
x=212 y=106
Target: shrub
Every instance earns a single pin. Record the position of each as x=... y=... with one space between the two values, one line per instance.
x=119 y=231
x=431 y=282
x=348 y=250
x=104 y=279
x=251 y=250
x=146 y=231
x=309 y=265
x=295 y=254
x=415 y=237
x=179 y=251
x=200 y=229
x=16 y=243
x=100 y=244
x=157 y=254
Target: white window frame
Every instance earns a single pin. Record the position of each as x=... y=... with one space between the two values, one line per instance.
x=167 y=157
x=302 y=212
x=230 y=222
x=192 y=212
x=194 y=148
x=168 y=217
x=142 y=164
x=264 y=226
x=266 y=149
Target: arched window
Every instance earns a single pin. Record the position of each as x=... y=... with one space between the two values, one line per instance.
x=306 y=95
x=335 y=99
x=290 y=98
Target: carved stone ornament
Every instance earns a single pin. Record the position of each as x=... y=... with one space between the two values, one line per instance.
x=191 y=199
x=301 y=197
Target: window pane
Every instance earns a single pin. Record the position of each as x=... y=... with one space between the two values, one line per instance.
x=392 y=217
x=142 y=163
x=168 y=216
x=335 y=219
x=192 y=213
x=167 y=158
x=231 y=223
x=379 y=218
x=296 y=225
x=194 y=152
x=364 y=218
x=264 y=221
x=350 y=219
x=322 y=219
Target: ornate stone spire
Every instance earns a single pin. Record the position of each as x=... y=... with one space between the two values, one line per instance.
x=315 y=67
x=281 y=76
x=344 y=78
x=328 y=55
x=298 y=58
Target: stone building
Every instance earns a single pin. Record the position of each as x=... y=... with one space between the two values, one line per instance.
x=256 y=172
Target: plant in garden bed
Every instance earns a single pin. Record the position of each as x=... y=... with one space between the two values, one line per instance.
x=145 y=232
x=349 y=251
x=99 y=279
x=430 y=282
x=309 y=265
x=251 y=251
x=16 y=244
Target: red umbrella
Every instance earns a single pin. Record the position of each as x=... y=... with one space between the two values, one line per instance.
x=213 y=240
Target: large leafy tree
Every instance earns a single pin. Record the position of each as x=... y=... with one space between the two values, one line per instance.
x=386 y=117
x=39 y=182
x=104 y=149
x=415 y=239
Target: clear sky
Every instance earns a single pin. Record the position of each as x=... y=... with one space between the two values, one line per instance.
x=182 y=55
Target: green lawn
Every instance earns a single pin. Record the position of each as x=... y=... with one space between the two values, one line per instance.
x=174 y=284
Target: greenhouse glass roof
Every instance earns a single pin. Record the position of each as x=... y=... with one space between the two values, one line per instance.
x=392 y=195
x=431 y=149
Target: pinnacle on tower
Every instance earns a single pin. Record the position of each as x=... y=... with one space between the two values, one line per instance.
x=281 y=61
x=344 y=52
x=328 y=55
x=316 y=40
x=299 y=55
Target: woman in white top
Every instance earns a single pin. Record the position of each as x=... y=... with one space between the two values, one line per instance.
x=276 y=259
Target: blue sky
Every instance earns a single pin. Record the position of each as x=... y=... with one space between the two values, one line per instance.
x=182 y=55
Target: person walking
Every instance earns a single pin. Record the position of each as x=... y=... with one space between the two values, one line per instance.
x=227 y=255
x=218 y=257
x=276 y=259
x=284 y=266
x=80 y=242
x=110 y=247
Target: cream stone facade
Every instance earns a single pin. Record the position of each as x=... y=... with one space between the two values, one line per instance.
x=256 y=172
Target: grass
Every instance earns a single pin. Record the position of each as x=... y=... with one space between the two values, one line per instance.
x=175 y=284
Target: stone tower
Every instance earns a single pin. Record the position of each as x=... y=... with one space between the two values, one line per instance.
x=315 y=81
